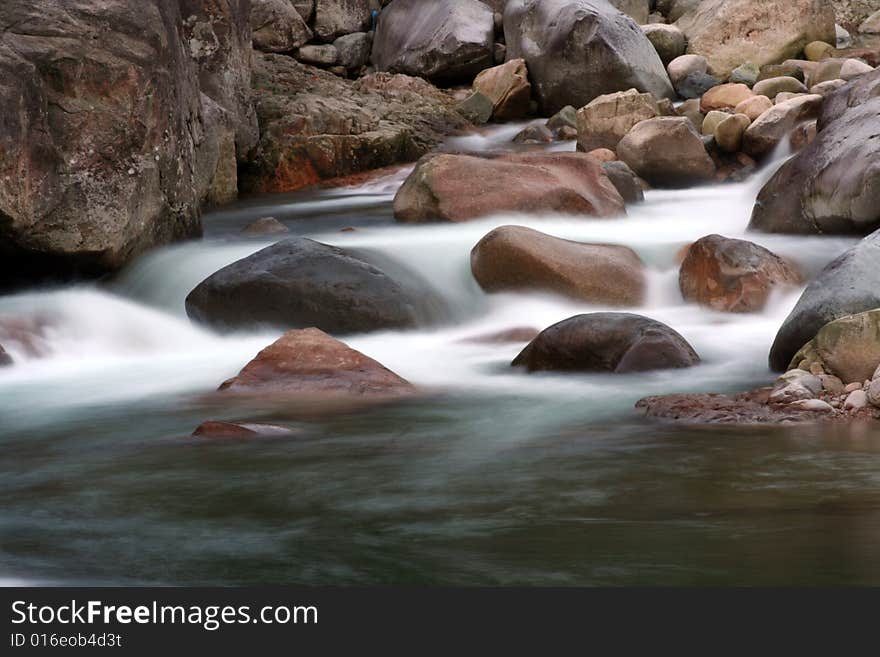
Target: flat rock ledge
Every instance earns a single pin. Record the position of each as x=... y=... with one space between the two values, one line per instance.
x=746 y=408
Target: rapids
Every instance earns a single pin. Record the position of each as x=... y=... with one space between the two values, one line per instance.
x=498 y=477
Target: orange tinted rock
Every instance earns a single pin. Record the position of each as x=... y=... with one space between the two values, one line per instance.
x=732 y=275
x=508 y=87
x=309 y=362
x=452 y=187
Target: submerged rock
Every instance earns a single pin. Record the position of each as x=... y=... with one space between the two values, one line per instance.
x=5 y=359
x=265 y=226
x=217 y=429
x=309 y=363
x=519 y=258
x=577 y=50
x=607 y=342
x=447 y=187
x=732 y=275
x=299 y=283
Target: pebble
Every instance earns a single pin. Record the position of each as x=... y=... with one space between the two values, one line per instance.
x=813 y=405
x=852 y=387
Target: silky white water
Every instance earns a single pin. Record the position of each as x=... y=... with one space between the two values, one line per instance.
x=461 y=486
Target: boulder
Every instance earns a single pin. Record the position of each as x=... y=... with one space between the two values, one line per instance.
x=774 y=125
x=265 y=226
x=729 y=33
x=621 y=343
x=803 y=135
x=305 y=8
x=115 y=128
x=309 y=363
x=832 y=185
x=277 y=26
x=445 y=41
x=667 y=152
x=826 y=88
x=450 y=187
x=625 y=181
x=848 y=348
x=315 y=125
x=516 y=258
x=638 y=10
x=353 y=50
x=775 y=86
x=668 y=40
x=725 y=96
x=605 y=120
x=299 y=283
x=827 y=69
x=728 y=133
x=754 y=107
x=732 y=275
x=333 y=18
x=685 y=65
x=509 y=89
x=847 y=286
x=577 y=50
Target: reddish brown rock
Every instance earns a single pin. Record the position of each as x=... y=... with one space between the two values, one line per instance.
x=507 y=86
x=732 y=275
x=751 y=407
x=519 y=258
x=239 y=430
x=724 y=96
x=448 y=187
x=309 y=363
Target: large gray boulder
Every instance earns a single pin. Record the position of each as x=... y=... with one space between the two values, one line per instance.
x=577 y=50
x=847 y=286
x=277 y=26
x=300 y=283
x=443 y=40
x=832 y=185
x=119 y=120
x=729 y=33
x=333 y=18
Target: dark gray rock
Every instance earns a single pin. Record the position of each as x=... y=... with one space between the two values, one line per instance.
x=444 y=41
x=849 y=285
x=625 y=181
x=607 y=342
x=695 y=85
x=300 y=283
x=5 y=359
x=577 y=50
x=354 y=50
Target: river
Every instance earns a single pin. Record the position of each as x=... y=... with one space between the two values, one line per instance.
x=495 y=477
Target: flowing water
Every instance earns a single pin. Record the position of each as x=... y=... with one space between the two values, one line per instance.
x=495 y=477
